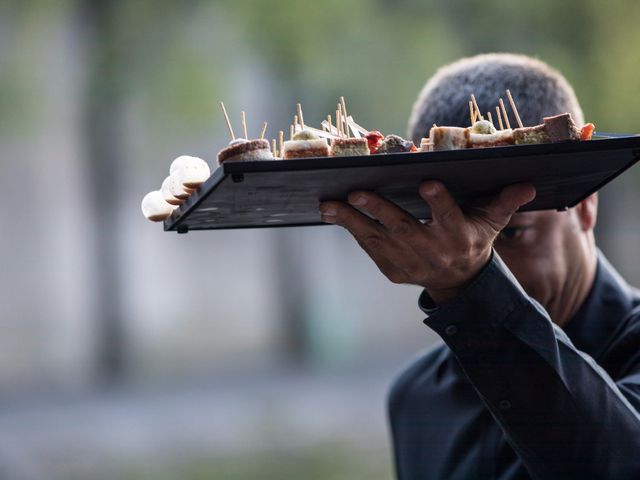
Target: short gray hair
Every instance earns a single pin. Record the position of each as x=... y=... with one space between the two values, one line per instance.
x=538 y=90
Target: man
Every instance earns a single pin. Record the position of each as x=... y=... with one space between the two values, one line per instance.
x=510 y=395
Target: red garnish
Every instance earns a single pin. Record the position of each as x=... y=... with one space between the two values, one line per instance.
x=374 y=139
x=413 y=148
x=587 y=131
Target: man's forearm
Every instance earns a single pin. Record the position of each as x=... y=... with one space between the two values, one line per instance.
x=560 y=411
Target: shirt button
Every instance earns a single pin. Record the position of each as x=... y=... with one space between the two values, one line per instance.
x=504 y=404
x=451 y=330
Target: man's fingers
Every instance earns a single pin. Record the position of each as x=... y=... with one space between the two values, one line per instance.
x=369 y=234
x=507 y=202
x=396 y=220
x=444 y=209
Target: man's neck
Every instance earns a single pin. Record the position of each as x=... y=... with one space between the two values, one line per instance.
x=577 y=287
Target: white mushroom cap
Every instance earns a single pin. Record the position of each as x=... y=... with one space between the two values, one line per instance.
x=176 y=188
x=193 y=172
x=155 y=208
x=166 y=191
x=179 y=162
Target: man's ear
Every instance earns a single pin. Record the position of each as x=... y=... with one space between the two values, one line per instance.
x=587 y=212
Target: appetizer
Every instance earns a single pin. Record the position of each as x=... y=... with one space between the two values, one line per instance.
x=155 y=208
x=395 y=144
x=241 y=149
x=304 y=144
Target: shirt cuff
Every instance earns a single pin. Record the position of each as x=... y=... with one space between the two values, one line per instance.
x=479 y=310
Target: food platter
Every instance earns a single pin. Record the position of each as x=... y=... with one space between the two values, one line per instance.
x=286 y=193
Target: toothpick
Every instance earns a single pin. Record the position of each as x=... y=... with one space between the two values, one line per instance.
x=264 y=130
x=226 y=117
x=330 y=124
x=295 y=123
x=472 y=113
x=338 y=123
x=475 y=104
x=489 y=117
x=513 y=107
x=244 y=126
x=504 y=113
x=300 y=115
x=291 y=134
x=281 y=138
x=499 y=117
x=345 y=115
x=275 y=151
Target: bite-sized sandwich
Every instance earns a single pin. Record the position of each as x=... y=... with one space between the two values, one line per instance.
x=241 y=149
x=561 y=128
x=349 y=147
x=374 y=139
x=395 y=144
x=305 y=144
x=448 y=138
x=483 y=134
x=558 y=128
x=530 y=135
x=155 y=208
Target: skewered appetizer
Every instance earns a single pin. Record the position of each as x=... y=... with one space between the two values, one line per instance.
x=305 y=144
x=241 y=149
x=374 y=139
x=349 y=147
x=395 y=144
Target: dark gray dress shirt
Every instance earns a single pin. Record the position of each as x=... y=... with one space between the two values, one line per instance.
x=512 y=396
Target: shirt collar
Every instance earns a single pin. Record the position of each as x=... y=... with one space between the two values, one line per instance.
x=606 y=305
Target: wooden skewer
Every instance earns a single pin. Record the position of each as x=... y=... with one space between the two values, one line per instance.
x=295 y=123
x=330 y=124
x=244 y=126
x=264 y=130
x=345 y=116
x=489 y=117
x=345 y=131
x=338 y=123
x=299 y=107
x=513 y=107
x=499 y=117
x=281 y=138
x=275 y=151
x=226 y=117
x=475 y=104
x=472 y=113
x=504 y=113
x=291 y=134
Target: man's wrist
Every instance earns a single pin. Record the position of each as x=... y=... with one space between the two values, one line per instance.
x=440 y=296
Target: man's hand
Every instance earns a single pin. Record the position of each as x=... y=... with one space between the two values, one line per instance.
x=443 y=255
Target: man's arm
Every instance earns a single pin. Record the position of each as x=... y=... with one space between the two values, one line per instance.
x=561 y=412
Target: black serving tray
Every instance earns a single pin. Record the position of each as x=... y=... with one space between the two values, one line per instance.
x=285 y=193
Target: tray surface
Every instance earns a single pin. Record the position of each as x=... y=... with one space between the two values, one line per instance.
x=287 y=192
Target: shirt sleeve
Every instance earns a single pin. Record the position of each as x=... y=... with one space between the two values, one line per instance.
x=560 y=411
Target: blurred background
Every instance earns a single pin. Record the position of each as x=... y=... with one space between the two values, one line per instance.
x=130 y=353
